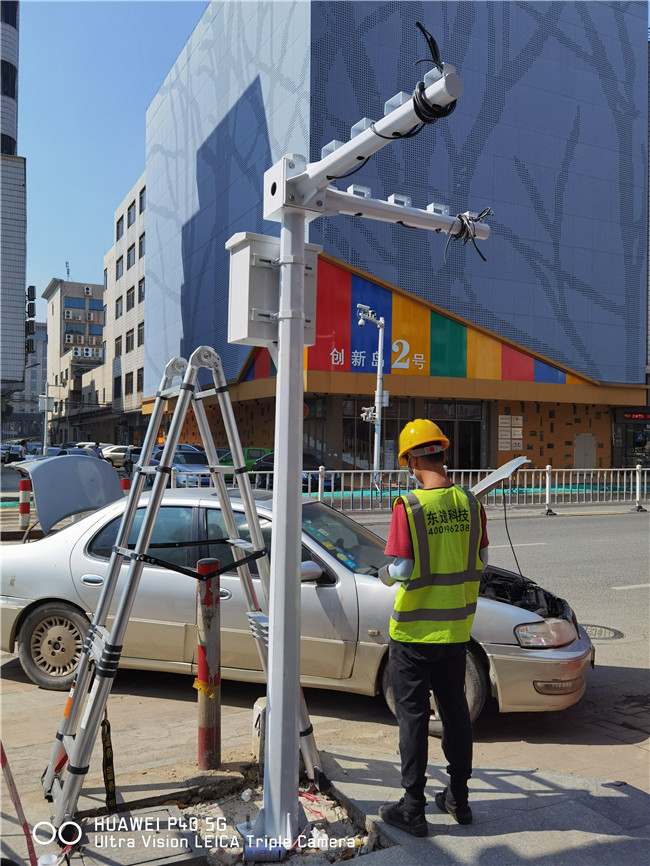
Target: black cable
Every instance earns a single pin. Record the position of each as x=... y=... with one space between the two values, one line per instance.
x=354 y=170
x=467 y=231
x=505 y=518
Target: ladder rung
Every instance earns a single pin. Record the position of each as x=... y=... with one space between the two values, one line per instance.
x=240 y=543
x=201 y=395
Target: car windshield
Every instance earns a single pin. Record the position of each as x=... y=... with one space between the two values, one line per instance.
x=192 y=458
x=353 y=545
x=224 y=455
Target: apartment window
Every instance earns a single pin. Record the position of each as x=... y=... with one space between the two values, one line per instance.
x=105 y=279
x=130 y=299
x=140 y=379
x=119 y=267
x=117 y=387
x=119 y=307
x=95 y=305
x=141 y=334
x=130 y=214
x=118 y=347
x=128 y=383
x=130 y=257
x=141 y=246
x=129 y=340
x=141 y=290
x=143 y=198
x=74 y=303
x=96 y=330
x=119 y=228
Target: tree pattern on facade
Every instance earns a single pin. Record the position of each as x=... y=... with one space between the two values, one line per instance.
x=504 y=52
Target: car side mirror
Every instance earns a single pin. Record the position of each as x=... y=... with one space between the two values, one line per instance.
x=310 y=570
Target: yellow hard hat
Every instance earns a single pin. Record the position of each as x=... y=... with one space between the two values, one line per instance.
x=420 y=433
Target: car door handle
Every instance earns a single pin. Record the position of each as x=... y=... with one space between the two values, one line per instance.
x=92 y=580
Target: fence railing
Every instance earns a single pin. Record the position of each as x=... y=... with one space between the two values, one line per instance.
x=354 y=490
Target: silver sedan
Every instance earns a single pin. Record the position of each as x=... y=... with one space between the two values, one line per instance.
x=527 y=649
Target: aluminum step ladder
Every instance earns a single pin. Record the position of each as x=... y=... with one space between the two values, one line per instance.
x=64 y=776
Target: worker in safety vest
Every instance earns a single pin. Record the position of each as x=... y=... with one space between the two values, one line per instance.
x=438 y=536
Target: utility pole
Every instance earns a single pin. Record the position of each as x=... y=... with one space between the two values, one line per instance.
x=296 y=192
x=365 y=314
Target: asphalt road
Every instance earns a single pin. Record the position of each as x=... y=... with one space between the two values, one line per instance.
x=598 y=563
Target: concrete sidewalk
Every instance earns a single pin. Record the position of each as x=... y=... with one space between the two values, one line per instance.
x=521 y=815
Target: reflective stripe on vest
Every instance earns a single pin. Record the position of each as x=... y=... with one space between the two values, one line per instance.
x=438 y=603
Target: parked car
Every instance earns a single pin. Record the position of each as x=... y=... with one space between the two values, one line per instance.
x=250 y=456
x=131 y=457
x=527 y=648
x=13 y=454
x=182 y=447
x=310 y=473
x=4 y=450
x=114 y=454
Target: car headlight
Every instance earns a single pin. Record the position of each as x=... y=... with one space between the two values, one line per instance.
x=553 y=632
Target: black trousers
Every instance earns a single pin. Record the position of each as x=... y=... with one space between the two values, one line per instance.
x=414 y=669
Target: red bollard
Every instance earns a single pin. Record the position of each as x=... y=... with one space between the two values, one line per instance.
x=126 y=484
x=208 y=682
x=24 y=496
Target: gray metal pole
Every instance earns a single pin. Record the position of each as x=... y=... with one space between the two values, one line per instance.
x=281 y=807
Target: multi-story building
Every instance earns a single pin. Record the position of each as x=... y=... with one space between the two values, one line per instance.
x=124 y=280
x=541 y=350
x=13 y=221
x=26 y=420
x=75 y=329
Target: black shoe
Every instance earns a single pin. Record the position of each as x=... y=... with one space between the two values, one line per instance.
x=460 y=813
x=410 y=822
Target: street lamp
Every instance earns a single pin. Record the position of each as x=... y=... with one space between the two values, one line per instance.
x=365 y=314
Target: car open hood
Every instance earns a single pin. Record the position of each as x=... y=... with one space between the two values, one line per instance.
x=495 y=478
x=68 y=485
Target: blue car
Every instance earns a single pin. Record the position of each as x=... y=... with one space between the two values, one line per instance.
x=310 y=473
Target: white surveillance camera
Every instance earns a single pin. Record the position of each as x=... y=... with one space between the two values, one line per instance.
x=361 y=323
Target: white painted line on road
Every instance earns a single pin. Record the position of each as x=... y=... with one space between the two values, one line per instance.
x=633 y=586
x=528 y=544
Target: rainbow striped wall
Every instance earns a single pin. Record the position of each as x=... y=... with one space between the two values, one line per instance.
x=418 y=341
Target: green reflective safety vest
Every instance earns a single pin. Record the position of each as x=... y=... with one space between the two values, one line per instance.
x=438 y=602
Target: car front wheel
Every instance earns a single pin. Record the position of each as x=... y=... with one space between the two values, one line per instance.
x=476 y=691
x=49 y=644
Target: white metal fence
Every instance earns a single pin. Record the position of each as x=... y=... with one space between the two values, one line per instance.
x=365 y=491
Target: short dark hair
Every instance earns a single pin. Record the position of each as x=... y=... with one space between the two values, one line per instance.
x=434 y=460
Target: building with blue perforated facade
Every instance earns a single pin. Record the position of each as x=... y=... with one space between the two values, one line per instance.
x=551 y=133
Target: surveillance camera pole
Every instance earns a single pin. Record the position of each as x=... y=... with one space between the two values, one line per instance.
x=296 y=192
x=365 y=314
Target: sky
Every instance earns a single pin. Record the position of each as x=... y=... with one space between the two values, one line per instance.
x=87 y=71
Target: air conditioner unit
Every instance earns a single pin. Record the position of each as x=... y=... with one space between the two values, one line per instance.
x=91 y=341
x=67 y=314
x=69 y=338
x=77 y=317
x=90 y=317
x=79 y=340
x=88 y=291
x=76 y=352
x=88 y=353
x=98 y=353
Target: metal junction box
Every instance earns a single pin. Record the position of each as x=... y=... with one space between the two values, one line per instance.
x=255 y=289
